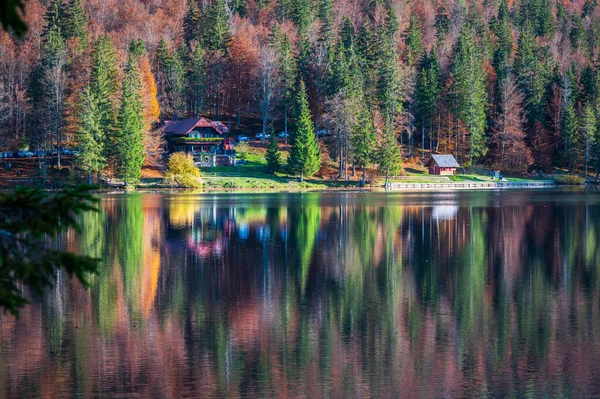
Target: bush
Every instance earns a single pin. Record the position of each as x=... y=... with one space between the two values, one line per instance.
x=569 y=180
x=242 y=150
x=182 y=172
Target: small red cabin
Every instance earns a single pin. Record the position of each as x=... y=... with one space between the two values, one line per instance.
x=442 y=164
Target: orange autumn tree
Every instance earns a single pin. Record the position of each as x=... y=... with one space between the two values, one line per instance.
x=153 y=139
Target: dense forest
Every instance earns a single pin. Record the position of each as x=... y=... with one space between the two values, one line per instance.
x=512 y=84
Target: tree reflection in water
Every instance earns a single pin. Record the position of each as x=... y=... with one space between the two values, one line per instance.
x=343 y=295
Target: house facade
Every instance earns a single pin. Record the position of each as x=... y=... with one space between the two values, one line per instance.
x=203 y=139
x=442 y=164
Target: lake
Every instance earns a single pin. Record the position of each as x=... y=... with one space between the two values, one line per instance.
x=343 y=295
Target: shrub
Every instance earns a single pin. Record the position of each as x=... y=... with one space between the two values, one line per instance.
x=242 y=150
x=182 y=172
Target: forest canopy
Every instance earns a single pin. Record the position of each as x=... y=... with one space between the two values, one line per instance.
x=512 y=84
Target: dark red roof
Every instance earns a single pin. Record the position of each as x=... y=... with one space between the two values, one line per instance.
x=185 y=126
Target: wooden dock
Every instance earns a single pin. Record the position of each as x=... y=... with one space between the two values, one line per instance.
x=469 y=185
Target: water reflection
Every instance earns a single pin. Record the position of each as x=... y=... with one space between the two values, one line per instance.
x=338 y=295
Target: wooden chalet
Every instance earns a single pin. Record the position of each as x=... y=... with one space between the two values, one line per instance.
x=442 y=164
x=202 y=138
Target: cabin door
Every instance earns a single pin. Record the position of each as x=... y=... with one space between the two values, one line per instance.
x=436 y=170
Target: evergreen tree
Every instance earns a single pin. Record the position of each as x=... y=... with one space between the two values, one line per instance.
x=413 y=40
x=569 y=118
x=389 y=80
x=104 y=88
x=305 y=156
x=470 y=91
x=74 y=22
x=442 y=22
x=364 y=140
x=91 y=137
x=589 y=126
x=390 y=156
x=217 y=32
x=273 y=156
x=192 y=24
x=427 y=93
x=544 y=17
x=504 y=47
x=287 y=71
x=129 y=147
x=301 y=14
x=531 y=76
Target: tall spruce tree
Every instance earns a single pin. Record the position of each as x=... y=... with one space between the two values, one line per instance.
x=504 y=46
x=470 y=91
x=389 y=76
x=287 y=71
x=413 y=40
x=364 y=140
x=305 y=156
x=427 y=93
x=91 y=137
x=192 y=24
x=531 y=75
x=390 y=156
x=130 y=135
x=589 y=126
x=104 y=88
x=216 y=32
x=273 y=156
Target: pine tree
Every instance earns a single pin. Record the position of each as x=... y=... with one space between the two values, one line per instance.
x=504 y=48
x=305 y=156
x=104 y=87
x=217 y=32
x=470 y=91
x=589 y=127
x=569 y=118
x=427 y=91
x=129 y=138
x=74 y=22
x=287 y=71
x=91 y=137
x=544 y=17
x=192 y=24
x=273 y=156
x=364 y=140
x=390 y=156
x=531 y=75
x=389 y=78
x=301 y=14
x=413 y=40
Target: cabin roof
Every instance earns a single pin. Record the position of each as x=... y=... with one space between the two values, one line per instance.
x=444 y=160
x=185 y=126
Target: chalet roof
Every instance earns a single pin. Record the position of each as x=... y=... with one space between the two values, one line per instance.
x=185 y=126
x=444 y=160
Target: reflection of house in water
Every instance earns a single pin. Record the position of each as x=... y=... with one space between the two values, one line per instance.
x=444 y=212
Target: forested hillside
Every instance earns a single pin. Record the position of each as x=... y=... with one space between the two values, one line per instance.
x=509 y=84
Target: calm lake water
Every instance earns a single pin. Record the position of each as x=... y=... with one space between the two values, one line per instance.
x=343 y=295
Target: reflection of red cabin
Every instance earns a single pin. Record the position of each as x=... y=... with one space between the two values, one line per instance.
x=442 y=164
